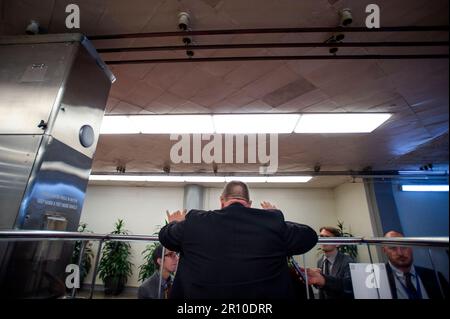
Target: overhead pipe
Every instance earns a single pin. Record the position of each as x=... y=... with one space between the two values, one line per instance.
x=270 y=30
x=285 y=57
x=274 y=45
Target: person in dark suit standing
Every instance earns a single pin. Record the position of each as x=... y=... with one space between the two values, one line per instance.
x=332 y=275
x=236 y=251
x=163 y=281
x=408 y=281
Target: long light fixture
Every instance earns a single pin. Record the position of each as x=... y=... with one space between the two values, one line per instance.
x=424 y=188
x=200 y=179
x=288 y=179
x=243 y=123
x=341 y=122
x=255 y=123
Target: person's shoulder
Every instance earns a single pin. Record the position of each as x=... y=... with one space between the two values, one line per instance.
x=273 y=214
x=197 y=213
x=424 y=271
x=346 y=258
x=149 y=281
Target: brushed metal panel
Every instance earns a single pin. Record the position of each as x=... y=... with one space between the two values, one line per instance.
x=31 y=76
x=84 y=97
x=56 y=186
x=17 y=154
x=52 y=200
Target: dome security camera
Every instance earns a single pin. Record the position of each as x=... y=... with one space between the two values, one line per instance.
x=183 y=21
x=32 y=28
x=346 y=16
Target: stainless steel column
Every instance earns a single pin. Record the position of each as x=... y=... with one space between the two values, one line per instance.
x=193 y=197
x=53 y=93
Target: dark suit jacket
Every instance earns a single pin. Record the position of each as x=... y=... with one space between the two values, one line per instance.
x=338 y=284
x=236 y=252
x=149 y=288
x=429 y=280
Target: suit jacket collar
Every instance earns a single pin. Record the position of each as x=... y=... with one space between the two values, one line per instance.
x=336 y=264
x=391 y=280
x=399 y=273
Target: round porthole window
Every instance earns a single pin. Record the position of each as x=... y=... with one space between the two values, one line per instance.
x=86 y=135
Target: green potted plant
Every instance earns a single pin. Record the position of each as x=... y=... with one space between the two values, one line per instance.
x=148 y=267
x=88 y=255
x=115 y=266
x=351 y=250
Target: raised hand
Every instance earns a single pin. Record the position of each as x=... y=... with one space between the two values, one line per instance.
x=177 y=216
x=267 y=205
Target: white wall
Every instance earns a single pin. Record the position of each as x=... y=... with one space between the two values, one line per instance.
x=143 y=209
x=352 y=209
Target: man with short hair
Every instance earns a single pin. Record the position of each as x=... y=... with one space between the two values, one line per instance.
x=332 y=275
x=408 y=281
x=168 y=264
x=236 y=251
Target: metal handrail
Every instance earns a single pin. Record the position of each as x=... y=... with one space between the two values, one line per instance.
x=38 y=235
x=30 y=235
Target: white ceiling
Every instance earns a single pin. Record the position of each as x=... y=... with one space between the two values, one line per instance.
x=416 y=91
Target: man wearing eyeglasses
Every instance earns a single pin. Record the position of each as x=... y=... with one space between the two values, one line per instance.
x=408 y=281
x=332 y=275
x=167 y=265
x=236 y=251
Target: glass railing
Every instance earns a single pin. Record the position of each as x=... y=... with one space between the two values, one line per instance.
x=41 y=264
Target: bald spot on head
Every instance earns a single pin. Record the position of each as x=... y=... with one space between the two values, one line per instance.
x=236 y=190
x=393 y=233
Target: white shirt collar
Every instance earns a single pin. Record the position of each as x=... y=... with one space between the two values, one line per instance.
x=331 y=258
x=400 y=273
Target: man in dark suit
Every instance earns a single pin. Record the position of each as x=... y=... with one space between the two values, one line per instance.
x=332 y=275
x=236 y=251
x=408 y=281
x=163 y=281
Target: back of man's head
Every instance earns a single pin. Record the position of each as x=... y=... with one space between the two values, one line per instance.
x=236 y=190
x=393 y=233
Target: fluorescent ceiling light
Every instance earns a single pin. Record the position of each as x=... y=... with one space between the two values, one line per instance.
x=425 y=188
x=118 y=178
x=157 y=124
x=163 y=178
x=118 y=125
x=174 y=124
x=255 y=123
x=200 y=179
x=340 y=122
x=243 y=123
x=204 y=179
x=247 y=179
x=288 y=179
x=420 y=172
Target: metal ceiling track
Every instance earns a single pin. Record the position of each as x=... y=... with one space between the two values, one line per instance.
x=271 y=30
x=285 y=58
x=273 y=45
x=327 y=44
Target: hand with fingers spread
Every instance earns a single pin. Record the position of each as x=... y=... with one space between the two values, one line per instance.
x=177 y=216
x=315 y=277
x=267 y=205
